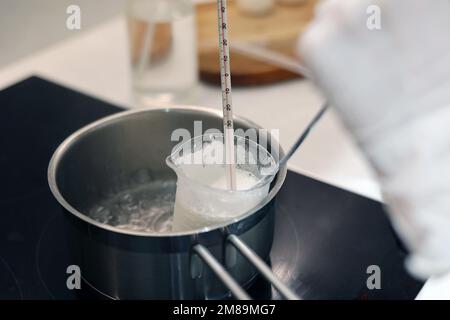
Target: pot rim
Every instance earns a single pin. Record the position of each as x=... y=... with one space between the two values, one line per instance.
x=103 y=122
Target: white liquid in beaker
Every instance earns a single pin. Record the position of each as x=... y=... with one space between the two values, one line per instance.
x=202 y=198
x=195 y=209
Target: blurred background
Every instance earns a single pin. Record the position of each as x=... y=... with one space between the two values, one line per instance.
x=29 y=25
x=136 y=53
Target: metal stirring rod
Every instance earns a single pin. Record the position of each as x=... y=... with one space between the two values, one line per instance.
x=225 y=75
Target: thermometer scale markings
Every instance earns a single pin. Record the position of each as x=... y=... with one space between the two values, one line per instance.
x=225 y=75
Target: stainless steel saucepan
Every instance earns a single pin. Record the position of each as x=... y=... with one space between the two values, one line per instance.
x=98 y=160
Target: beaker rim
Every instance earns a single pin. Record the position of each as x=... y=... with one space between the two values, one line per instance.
x=264 y=180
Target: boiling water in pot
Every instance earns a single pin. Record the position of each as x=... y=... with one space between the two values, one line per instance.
x=146 y=208
x=150 y=207
x=199 y=198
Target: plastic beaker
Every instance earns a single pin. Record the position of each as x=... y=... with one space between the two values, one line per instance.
x=202 y=198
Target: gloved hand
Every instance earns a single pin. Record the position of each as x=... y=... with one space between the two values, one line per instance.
x=392 y=89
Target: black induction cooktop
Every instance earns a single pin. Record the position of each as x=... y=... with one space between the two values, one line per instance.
x=325 y=237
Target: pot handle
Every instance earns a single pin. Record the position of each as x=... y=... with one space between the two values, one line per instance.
x=207 y=257
x=220 y=272
x=262 y=267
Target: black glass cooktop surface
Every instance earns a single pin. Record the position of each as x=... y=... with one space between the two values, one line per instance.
x=325 y=237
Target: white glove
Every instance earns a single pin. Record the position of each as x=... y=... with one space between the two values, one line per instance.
x=392 y=89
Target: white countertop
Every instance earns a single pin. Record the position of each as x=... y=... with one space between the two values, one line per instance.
x=96 y=63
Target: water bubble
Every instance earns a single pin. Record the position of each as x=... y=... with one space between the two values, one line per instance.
x=100 y=214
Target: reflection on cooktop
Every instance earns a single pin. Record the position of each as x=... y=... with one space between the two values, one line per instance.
x=10 y=288
x=325 y=237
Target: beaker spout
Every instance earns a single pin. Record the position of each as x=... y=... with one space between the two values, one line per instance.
x=171 y=164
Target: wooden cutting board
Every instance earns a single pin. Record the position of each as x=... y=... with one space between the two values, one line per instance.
x=278 y=31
